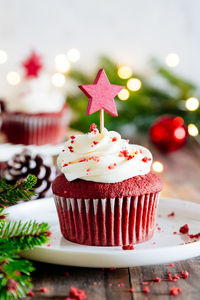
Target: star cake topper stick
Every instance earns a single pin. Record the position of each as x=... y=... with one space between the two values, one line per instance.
x=101 y=96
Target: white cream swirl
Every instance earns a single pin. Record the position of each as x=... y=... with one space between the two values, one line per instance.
x=35 y=95
x=105 y=158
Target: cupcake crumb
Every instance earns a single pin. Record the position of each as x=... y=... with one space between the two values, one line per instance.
x=184 y=229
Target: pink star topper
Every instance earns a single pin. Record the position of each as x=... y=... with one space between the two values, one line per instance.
x=101 y=95
x=32 y=65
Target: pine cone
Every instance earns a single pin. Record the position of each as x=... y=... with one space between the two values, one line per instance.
x=25 y=163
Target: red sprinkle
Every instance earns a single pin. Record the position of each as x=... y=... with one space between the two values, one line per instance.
x=176 y=276
x=128 y=247
x=175 y=291
x=65 y=165
x=196 y=236
x=77 y=294
x=114 y=139
x=131 y=290
x=171 y=264
x=172 y=214
x=124 y=153
x=72 y=142
x=184 y=229
x=141 y=151
x=49 y=245
x=44 y=290
x=93 y=126
x=31 y=294
x=95 y=142
x=159 y=229
x=157 y=279
x=88 y=170
x=146 y=290
x=72 y=137
x=145 y=159
x=185 y=274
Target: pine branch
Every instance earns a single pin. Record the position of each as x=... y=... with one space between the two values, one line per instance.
x=15 y=237
x=22 y=190
x=15 y=280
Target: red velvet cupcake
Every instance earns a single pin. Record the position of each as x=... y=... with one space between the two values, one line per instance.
x=34 y=110
x=107 y=195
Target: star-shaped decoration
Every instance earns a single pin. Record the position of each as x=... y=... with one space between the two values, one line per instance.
x=101 y=94
x=32 y=65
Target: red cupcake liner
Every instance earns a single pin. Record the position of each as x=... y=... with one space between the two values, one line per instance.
x=35 y=129
x=108 y=222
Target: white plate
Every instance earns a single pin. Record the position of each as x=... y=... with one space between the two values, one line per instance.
x=8 y=150
x=164 y=247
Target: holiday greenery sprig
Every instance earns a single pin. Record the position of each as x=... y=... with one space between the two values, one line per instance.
x=15 y=280
x=142 y=105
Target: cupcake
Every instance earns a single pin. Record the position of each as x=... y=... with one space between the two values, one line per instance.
x=106 y=194
x=35 y=111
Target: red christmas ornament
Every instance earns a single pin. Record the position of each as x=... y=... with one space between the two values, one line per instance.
x=168 y=133
x=32 y=65
x=101 y=94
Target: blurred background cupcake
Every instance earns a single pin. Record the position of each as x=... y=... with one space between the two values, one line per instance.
x=34 y=111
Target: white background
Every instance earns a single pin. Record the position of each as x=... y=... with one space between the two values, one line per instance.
x=130 y=31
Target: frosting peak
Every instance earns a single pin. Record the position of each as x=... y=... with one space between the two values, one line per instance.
x=103 y=157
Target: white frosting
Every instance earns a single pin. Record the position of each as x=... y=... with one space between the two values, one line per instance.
x=112 y=159
x=35 y=95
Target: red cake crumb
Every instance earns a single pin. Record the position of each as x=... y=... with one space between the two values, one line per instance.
x=184 y=229
x=77 y=294
x=93 y=126
x=176 y=276
x=174 y=232
x=67 y=274
x=44 y=290
x=146 y=290
x=131 y=290
x=31 y=294
x=175 y=291
x=72 y=142
x=128 y=247
x=185 y=274
x=171 y=264
x=172 y=214
x=194 y=236
x=88 y=170
x=72 y=137
x=159 y=229
x=114 y=139
x=157 y=279
x=49 y=245
x=112 y=269
x=95 y=142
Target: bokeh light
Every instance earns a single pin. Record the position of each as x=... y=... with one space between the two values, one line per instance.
x=192 y=103
x=58 y=79
x=13 y=78
x=179 y=133
x=73 y=55
x=157 y=166
x=172 y=60
x=123 y=95
x=134 y=84
x=124 y=72
x=193 y=130
x=62 y=63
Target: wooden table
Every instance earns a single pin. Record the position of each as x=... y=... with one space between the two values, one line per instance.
x=181 y=180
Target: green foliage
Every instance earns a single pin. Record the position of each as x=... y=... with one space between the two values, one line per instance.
x=143 y=106
x=22 y=190
x=15 y=280
x=16 y=236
